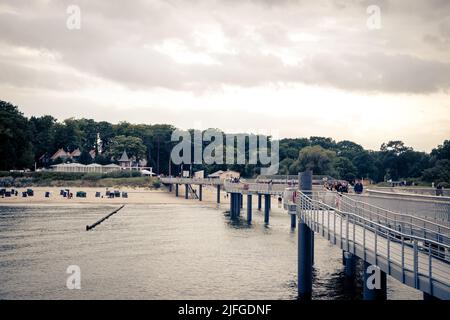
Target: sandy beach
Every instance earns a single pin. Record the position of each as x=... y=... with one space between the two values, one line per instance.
x=135 y=196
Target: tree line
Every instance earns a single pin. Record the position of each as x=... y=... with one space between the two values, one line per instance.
x=25 y=142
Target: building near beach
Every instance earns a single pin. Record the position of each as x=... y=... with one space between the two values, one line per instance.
x=224 y=175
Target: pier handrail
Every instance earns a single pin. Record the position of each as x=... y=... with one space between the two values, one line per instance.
x=418 y=258
x=302 y=196
x=426 y=227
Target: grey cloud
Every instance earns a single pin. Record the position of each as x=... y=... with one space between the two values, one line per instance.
x=116 y=40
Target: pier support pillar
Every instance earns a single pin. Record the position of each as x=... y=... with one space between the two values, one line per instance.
x=266 y=208
x=241 y=200
x=293 y=215
x=176 y=190
x=186 y=191
x=375 y=286
x=231 y=205
x=218 y=193
x=200 y=192
x=259 y=201
x=249 y=208
x=349 y=264
x=234 y=206
x=305 y=244
x=304 y=261
x=170 y=188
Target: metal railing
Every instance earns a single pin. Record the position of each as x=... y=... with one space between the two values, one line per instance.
x=207 y=181
x=254 y=188
x=418 y=261
x=406 y=223
x=432 y=208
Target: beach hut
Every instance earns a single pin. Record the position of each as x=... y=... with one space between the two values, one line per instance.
x=81 y=194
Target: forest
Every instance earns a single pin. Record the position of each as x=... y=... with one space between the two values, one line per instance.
x=29 y=142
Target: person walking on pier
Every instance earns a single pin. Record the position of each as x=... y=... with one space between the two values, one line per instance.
x=440 y=190
x=358 y=187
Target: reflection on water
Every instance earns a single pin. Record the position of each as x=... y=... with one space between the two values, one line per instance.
x=162 y=252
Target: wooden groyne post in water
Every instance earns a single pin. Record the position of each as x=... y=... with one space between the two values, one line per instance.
x=92 y=226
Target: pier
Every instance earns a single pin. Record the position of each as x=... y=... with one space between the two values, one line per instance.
x=412 y=248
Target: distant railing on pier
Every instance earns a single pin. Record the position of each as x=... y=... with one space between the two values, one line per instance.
x=265 y=188
x=428 y=207
x=205 y=181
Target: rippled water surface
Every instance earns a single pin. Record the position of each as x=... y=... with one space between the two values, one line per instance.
x=161 y=252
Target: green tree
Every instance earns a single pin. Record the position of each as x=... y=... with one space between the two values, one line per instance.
x=439 y=173
x=316 y=158
x=132 y=145
x=345 y=169
x=85 y=158
x=15 y=139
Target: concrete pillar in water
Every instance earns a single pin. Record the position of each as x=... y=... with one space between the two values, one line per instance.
x=249 y=208
x=293 y=215
x=186 y=191
x=304 y=261
x=259 y=201
x=305 y=244
x=176 y=190
x=238 y=204
x=375 y=286
x=232 y=205
x=266 y=208
x=218 y=193
x=349 y=264
x=200 y=192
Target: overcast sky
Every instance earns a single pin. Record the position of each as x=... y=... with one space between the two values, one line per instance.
x=298 y=67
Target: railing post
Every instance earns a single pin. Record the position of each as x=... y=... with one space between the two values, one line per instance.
x=403 y=260
x=430 y=271
x=416 y=265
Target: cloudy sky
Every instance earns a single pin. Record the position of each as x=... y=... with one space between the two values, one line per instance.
x=298 y=67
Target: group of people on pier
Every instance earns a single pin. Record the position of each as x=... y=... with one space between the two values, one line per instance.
x=343 y=186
